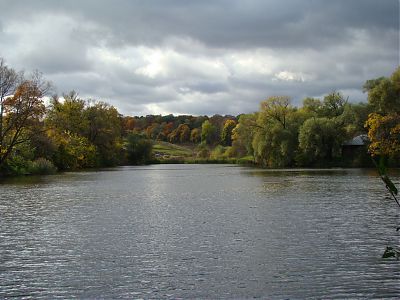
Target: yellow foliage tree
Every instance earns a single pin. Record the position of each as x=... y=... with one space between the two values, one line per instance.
x=384 y=134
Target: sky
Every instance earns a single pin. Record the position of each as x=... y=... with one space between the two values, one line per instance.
x=202 y=57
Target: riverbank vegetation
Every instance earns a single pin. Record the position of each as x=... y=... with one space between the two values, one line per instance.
x=71 y=133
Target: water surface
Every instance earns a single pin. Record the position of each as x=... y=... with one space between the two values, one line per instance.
x=198 y=231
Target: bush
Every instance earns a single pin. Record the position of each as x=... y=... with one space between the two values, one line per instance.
x=218 y=153
x=41 y=166
x=202 y=151
x=139 y=149
x=15 y=166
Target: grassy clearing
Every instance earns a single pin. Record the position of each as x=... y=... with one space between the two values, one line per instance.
x=167 y=151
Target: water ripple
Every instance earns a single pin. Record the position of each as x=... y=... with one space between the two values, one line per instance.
x=198 y=232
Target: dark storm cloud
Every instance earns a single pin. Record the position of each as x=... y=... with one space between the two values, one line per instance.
x=202 y=57
x=225 y=23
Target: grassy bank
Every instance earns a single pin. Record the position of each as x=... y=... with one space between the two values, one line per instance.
x=167 y=153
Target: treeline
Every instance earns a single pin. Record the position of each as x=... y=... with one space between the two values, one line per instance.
x=184 y=129
x=69 y=134
x=282 y=135
x=72 y=133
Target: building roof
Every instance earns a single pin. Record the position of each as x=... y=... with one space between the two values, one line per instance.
x=359 y=140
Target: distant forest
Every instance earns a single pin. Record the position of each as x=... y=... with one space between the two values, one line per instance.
x=72 y=133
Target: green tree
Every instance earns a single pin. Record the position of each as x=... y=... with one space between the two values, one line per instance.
x=354 y=118
x=208 y=132
x=138 y=148
x=383 y=93
x=333 y=105
x=276 y=108
x=313 y=106
x=104 y=132
x=275 y=137
x=320 y=141
x=226 y=135
x=243 y=134
x=72 y=151
x=68 y=115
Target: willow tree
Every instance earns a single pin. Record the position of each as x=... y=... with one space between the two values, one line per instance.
x=275 y=133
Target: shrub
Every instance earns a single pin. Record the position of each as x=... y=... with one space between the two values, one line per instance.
x=202 y=151
x=41 y=166
x=218 y=153
x=139 y=149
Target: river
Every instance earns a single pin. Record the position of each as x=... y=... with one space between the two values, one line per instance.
x=198 y=231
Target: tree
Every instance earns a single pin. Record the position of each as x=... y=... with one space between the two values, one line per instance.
x=384 y=134
x=243 y=134
x=313 y=106
x=184 y=133
x=226 y=135
x=8 y=84
x=333 y=105
x=68 y=115
x=72 y=151
x=275 y=137
x=277 y=108
x=274 y=146
x=104 y=131
x=180 y=135
x=383 y=93
x=21 y=110
x=320 y=141
x=153 y=131
x=138 y=148
x=128 y=124
x=195 y=135
x=354 y=118
x=208 y=132
x=218 y=122
x=384 y=124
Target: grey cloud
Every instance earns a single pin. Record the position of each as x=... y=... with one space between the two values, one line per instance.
x=95 y=47
x=227 y=23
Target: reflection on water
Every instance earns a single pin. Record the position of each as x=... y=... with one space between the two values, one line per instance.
x=198 y=231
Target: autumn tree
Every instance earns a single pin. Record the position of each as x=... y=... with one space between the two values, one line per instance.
x=72 y=151
x=153 y=131
x=384 y=124
x=195 y=135
x=21 y=109
x=128 y=124
x=384 y=134
x=181 y=134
